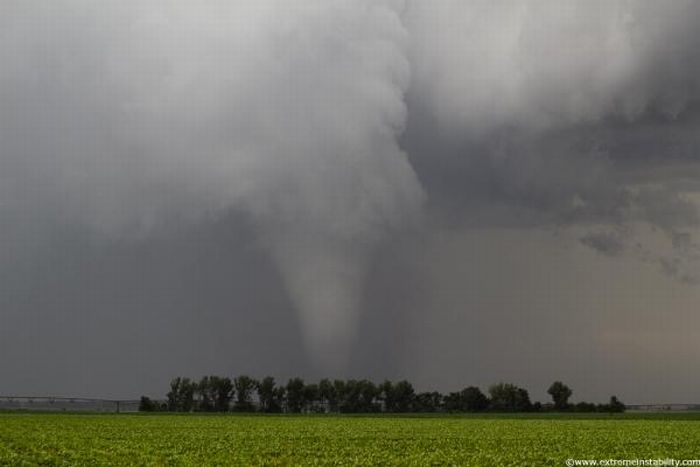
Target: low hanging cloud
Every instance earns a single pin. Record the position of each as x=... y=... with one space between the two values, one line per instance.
x=605 y=243
x=563 y=113
x=318 y=118
x=121 y=113
x=482 y=65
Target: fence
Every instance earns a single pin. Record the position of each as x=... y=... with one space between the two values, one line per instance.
x=663 y=407
x=67 y=404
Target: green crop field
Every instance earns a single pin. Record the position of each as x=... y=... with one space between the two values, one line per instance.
x=72 y=439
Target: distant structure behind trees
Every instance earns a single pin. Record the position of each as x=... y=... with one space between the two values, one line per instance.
x=245 y=394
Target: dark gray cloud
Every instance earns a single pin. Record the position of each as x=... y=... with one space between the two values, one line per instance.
x=121 y=115
x=204 y=187
x=605 y=243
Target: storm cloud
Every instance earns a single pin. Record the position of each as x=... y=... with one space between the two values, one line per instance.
x=337 y=161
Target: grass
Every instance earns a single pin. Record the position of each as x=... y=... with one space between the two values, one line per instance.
x=492 y=439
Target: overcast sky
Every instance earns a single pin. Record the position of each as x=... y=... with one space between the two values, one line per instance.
x=452 y=192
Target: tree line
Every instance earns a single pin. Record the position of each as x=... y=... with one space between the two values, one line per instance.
x=245 y=394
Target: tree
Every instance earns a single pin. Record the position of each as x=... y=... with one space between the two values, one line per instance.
x=428 y=402
x=560 y=393
x=508 y=397
x=311 y=398
x=173 y=394
x=522 y=401
x=503 y=396
x=351 y=397
x=397 y=397
x=244 y=387
x=473 y=400
x=452 y=402
x=469 y=399
x=205 y=400
x=213 y=393
x=222 y=391
x=269 y=395
x=615 y=405
x=368 y=394
x=360 y=396
x=181 y=395
x=147 y=405
x=328 y=395
x=295 y=395
x=186 y=396
x=386 y=394
x=279 y=398
x=585 y=407
x=341 y=393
